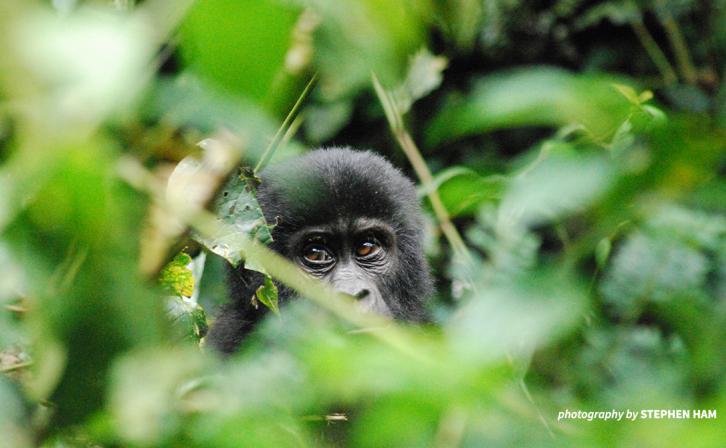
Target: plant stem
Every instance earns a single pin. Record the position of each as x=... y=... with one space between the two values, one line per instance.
x=18 y=366
x=413 y=154
x=654 y=51
x=16 y=308
x=281 y=131
x=680 y=49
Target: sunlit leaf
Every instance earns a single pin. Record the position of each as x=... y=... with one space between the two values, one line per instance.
x=533 y=97
x=78 y=68
x=145 y=389
x=14 y=416
x=425 y=74
x=176 y=277
x=514 y=319
x=186 y=102
x=239 y=46
x=267 y=295
x=357 y=37
x=557 y=185
x=462 y=190
x=602 y=252
x=323 y=121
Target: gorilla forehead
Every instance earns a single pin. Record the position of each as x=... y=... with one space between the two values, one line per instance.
x=338 y=185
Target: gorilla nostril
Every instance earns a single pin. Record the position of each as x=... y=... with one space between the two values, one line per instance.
x=362 y=294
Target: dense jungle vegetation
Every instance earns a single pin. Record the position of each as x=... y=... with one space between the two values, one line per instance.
x=569 y=154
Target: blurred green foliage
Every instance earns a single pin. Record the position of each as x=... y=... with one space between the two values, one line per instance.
x=578 y=146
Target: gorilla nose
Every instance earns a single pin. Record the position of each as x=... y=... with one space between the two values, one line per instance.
x=362 y=294
x=357 y=293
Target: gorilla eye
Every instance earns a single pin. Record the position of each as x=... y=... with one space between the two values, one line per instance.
x=368 y=248
x=317 y=254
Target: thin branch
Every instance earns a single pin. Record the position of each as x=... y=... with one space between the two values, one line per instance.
x=413 y=154
x=14 y=367
x=337 y=417
x=540 y=415
x=16 y=308
x=654 y=51
x=292 y=130
x=282 y=130
x=680 y=49
x=452 y=428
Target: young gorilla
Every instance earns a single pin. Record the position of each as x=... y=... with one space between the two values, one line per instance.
x=347 y=217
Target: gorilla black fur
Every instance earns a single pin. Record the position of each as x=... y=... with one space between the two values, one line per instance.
x=336 y=188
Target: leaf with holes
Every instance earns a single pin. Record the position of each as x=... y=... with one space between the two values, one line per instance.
x=267 y=295
x=239 y=213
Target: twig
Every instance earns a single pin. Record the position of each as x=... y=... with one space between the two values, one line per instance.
x=451 y=428
x=16 y=308
x=413 y=154
x=282 y=130
x=540 y=415
x=292 y=130
x=337 y=417
x=654 y=51
x=680 y=49
x=18 y=366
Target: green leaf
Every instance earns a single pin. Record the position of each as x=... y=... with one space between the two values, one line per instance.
x=652 y=269
x=239 y=46
x=617 y=12
x=463 y=190
x=556 y=185
x=425 y=74
x=186 y=102
x=357 y=37
x=176 y=277
x=323 y=121
x=635 y=98
x=629 y=364
x=14 y=417
x=267 y=295
x=511 y=318
x=146 y=392
x=672 y=256
x=239 y=212
x=188 y=318
x=602 y=252
x=540 y=96
x=65 y=55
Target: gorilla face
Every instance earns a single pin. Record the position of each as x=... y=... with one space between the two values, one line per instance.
x=346 y=217
x=351 y=255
